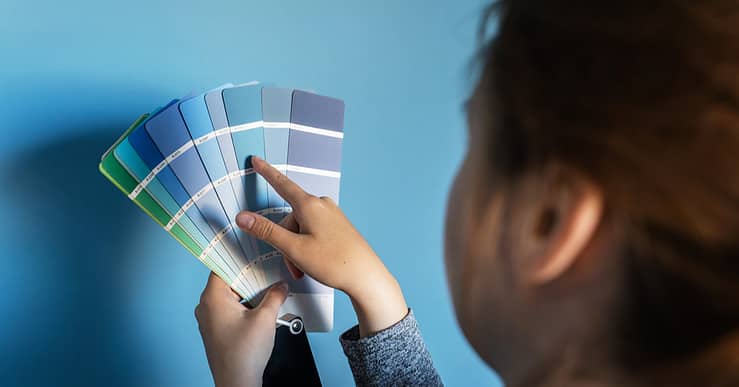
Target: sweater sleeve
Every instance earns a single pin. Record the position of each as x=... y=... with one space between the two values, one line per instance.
x=396 y=356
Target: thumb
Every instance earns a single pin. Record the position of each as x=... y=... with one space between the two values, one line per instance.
x=268 y=231
x=274 y=298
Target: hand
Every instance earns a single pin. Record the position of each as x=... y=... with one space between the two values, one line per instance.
x=328 y=248
x=238 y=341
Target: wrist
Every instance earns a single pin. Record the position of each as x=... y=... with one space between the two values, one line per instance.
x=378 y=303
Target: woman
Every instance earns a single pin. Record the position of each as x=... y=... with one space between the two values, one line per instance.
x=595 y=230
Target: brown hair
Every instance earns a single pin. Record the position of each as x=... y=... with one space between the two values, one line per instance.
x=643 y=98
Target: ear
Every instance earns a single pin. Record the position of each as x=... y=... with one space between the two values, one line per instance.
x=559 y=218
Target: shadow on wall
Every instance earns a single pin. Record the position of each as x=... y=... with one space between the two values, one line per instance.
x=72 y=335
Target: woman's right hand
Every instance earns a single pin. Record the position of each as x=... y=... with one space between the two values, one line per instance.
x=328 y=248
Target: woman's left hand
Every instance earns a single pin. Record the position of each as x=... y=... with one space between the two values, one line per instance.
x=238 y=341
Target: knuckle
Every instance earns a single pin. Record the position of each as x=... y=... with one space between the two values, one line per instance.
x=279 y=178
x=313 y=203
x=263 y=229
x=328 y=200
x=205 y=301
x=201 y=314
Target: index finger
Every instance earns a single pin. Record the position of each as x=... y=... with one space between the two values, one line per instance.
x=287 y=188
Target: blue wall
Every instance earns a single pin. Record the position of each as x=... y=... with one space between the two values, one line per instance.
x=93 y=293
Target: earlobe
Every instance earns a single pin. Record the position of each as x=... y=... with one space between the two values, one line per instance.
x=576 y=227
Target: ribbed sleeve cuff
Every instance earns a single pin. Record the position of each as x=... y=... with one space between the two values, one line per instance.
x=396 y=356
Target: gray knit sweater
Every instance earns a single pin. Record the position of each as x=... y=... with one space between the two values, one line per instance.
x=396 y=356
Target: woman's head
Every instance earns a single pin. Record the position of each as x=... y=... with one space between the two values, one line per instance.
x=596 y=216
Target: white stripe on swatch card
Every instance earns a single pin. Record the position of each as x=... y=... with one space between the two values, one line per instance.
x=227 y=130
x=215 y=241
x=319 y=131
x=258 y=260
x=310 y=171
x=177 y=153
x=202 y=192
x=140 y=187
x=287 y=125
x=238 y=174
x=275 y=210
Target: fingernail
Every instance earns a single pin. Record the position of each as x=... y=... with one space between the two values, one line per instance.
x=254 y=158
x=245 y=220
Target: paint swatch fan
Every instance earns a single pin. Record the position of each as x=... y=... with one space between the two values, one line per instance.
x=187 y=165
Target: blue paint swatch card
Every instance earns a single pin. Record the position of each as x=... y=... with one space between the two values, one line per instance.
x=188 y=165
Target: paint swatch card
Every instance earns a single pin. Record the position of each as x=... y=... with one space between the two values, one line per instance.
x=187 y=165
